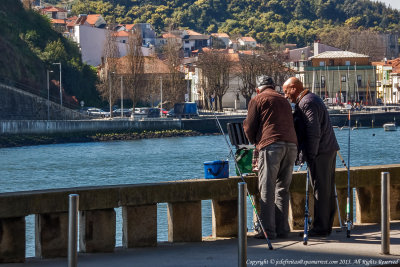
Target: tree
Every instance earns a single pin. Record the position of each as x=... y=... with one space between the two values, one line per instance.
x=264 y=62
x=175 y=86
x=107 y=89
x=215 y=68
x=250 y=66
x=135 y=68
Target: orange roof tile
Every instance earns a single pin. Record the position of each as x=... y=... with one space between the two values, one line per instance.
x=246 y=52
x=169 y=35
x=58 y=21
x=129 y=26
x=54 y=9
x=190 y=32
x=91 y=19
x=222 y=35
x=247 y=39
x=151 y=65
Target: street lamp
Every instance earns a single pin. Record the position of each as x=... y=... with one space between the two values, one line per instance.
x=60 y=82
x=48 y=95
x=161 y=100
x=122 y=99
x=109 y=91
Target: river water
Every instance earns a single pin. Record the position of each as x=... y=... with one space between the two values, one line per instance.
x=153 y=160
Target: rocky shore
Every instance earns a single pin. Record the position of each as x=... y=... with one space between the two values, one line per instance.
x=31 y=140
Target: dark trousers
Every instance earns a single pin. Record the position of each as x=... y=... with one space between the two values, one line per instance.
x=322 y=174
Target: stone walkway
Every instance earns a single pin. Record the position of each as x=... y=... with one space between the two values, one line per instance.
x=362 y=249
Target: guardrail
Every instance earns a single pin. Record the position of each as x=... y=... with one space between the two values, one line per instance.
x=97 y=216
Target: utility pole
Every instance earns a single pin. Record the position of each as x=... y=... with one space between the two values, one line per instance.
x=122 y=99
x=109 y=91
x=48 y=95
x=161 y=101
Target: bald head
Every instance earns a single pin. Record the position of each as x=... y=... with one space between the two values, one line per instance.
x=292 y=88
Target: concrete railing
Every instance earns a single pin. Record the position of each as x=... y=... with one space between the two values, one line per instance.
x=139 y=211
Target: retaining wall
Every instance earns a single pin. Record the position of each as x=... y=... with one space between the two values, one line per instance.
x=139 y=211
x=50 y=127
x=17 y=104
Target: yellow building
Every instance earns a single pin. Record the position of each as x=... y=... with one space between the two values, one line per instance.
x=341 y=77
x=386 y=81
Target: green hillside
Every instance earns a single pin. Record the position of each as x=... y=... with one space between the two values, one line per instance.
x=29 y=46
x=274 y=21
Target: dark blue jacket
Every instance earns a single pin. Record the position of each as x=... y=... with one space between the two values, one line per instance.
x=313 y=127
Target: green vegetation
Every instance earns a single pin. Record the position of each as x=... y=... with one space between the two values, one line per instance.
x=269 y=21
x=29 y=46
x=16 y=140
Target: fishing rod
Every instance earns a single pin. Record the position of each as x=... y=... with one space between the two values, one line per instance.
x=241 y=176
x=306 y=211
x=348 y=221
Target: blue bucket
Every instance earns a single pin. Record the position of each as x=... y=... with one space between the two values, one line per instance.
x=216 y=169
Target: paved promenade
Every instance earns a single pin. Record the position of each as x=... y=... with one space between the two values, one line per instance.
x=362 y=249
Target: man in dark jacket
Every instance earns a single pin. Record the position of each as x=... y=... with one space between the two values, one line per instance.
x=318 y=147
x=269 y=125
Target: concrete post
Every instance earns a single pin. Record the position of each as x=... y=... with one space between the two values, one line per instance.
x=385 y=213
x=12 y=240
x=184 y=222
x=73 y=230
x=97 y=230
x=242 y=227
x=139 y=226
x=224 y=218
x=51 y=231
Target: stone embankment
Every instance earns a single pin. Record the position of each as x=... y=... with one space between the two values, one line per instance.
x=97 y=224
x=38 y=139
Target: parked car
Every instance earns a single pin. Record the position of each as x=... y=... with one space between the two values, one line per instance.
x=127 y=112
x=147 y=112
x=164 y=111
x=97 y=112
x=379 y=102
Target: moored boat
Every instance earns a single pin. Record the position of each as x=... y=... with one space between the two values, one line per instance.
x=389 y=126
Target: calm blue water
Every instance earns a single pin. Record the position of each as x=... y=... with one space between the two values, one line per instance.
x=153 y=160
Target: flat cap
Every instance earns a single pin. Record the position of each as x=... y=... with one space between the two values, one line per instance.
x=265 y=80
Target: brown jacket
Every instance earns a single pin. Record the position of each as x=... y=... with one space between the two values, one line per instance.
x=269 y=120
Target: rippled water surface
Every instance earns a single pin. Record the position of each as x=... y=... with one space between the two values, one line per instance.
x=153 y=160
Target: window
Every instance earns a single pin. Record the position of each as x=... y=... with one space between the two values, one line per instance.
x=343 y=78
x=322 y=63
x=331 y=62
x=347 y=63
x=359 y=79
x=186 y=41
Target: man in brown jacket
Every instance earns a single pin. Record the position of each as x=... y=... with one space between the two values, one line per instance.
x=269 y=125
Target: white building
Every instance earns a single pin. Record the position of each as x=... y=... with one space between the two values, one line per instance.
x=91 y=42
x=223 y=37
x=247 y=42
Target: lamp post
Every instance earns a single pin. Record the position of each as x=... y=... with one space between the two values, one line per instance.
x=122 y=99
x=60 y=82
x=48 y=95
x=161 y=113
